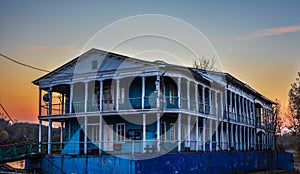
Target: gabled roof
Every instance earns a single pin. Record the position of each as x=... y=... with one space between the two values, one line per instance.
x=114 y=63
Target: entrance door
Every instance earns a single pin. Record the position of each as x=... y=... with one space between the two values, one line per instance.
x=108 y=137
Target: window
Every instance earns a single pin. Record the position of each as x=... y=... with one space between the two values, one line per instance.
x=172 y=132
x=121 y=132
x=94 y=64
x=171 y=94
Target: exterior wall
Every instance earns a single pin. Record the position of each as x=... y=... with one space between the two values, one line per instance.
x=225 y=162
x=230 y=116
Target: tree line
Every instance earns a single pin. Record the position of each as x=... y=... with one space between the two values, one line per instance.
x=11 y=133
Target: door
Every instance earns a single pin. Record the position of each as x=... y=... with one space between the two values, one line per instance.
x=108 y=98
x=108 y=137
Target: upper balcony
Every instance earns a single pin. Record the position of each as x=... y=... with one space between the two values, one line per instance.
x=150 y=93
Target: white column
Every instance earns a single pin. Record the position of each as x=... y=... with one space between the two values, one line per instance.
x=227 y=136
x=235 y=107
x=143 y=92
x=248 y=138
x=242 y=133
x=61 y=134
x=237 y=145
x=197 y=132
x=209 y=102
x=231 y=107
x=144 y=132
x=254 y=116
x=226 y=103
x=188 y=94
x=63 y=103
x=179 y=92
x=50 y=101
x=179 y=132
x=244 y=138
x=240 y=109
x=203 y=99
x=197 y=98
x=251 y=138
x=40 y=101
x=118 y=95
x=217 y=135
x=221 y=105
x=255 y=139
x=204 y=134
x=85 y=136
x=210 y=135
x=101 y=96
x=100 y=133
x=216 y=105
x=40 y=135
x=247 y=112
x=158 y=91
x=239 y=137
x=222 y=136
x=86 y=96
x=243 y=110
x=158 y=131
x=231 y=136
x=71 y=98
x=49 y=136
x=189 y=130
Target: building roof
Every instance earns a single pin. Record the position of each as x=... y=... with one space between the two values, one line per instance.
x=116 y=59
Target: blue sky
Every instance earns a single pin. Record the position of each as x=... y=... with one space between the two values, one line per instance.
x=257 y=41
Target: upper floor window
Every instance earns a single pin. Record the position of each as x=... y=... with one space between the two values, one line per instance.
x=94 y=64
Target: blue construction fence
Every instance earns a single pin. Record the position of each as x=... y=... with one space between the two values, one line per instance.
x=213 y=162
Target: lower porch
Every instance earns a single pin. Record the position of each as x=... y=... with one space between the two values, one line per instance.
x=149 y=133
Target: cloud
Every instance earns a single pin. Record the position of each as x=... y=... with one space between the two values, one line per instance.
x=38 y=48
x=270 y=32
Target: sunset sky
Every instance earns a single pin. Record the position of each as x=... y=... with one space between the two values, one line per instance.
x=257 y=41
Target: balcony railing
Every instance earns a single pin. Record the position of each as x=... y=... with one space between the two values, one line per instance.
x=133 y=146
x=135 y=103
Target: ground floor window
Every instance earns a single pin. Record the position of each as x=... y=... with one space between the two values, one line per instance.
x=120 y=132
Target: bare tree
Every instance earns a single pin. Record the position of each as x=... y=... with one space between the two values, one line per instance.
x=278 y=121
x=293 y=115
x=293 y=123
x=205 y=63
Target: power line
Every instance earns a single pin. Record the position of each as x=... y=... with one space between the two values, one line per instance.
x=23 y=64
x=7 y=115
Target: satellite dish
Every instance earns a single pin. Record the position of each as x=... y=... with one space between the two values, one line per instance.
x=46 y=98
